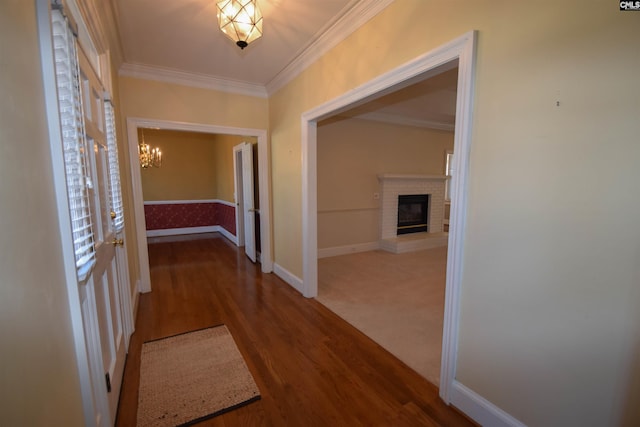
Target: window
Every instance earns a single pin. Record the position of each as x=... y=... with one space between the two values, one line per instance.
x=74 y=142
x=115 y=192
x=448 y=164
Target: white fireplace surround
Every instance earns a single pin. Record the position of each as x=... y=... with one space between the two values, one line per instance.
x=394 y=185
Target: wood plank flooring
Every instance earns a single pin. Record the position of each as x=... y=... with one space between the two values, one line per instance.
x=312 y=368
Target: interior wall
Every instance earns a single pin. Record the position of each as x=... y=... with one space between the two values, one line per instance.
x=195 y=165
x=549 y=326
x=224 y=164
x=351 y=155
x=187 y=171
x=39 y=383
x=154 y=100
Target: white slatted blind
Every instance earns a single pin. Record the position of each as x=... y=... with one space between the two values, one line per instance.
x=74 y=142
x=115 y=192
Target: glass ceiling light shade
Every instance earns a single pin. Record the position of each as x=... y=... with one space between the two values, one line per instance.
x=240 y=20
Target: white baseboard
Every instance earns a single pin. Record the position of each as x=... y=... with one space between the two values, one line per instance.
x=227 y=234
x=143 y=288
x=479 y=409
x=178 y=231
x=294 y=281
x=348 y=249
x=193 y=230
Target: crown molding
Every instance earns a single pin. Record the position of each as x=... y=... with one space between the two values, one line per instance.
x=406 y=121
x=111 y=9
x=357 y=16
x=353 y=19
x=147 y=72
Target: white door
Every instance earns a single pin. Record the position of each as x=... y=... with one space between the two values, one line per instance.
x=100 y=292
x=249 y=211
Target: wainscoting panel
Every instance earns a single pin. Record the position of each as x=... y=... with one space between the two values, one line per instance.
x=181 y=215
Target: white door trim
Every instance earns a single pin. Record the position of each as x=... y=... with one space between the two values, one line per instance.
x=460 y=52
x=245 y=203
x=248 y=211
x=238 y=199
x=133 y=123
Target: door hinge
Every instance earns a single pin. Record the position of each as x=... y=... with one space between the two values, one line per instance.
x=108 y=378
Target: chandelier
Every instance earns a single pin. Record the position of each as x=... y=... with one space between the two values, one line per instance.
x=149 y=157
x=240 y=20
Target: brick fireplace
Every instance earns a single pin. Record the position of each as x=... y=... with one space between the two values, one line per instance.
x=394 y=185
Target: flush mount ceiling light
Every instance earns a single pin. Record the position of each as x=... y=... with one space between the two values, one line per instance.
x=240 y=20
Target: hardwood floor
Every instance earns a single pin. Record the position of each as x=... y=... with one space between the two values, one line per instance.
x=312 y=368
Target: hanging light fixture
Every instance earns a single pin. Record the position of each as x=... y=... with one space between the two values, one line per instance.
x=149 y=157
x=240 y=20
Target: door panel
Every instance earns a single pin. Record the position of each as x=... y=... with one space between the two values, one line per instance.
x=102 y=312
x=110 y=332
x=249 y=206
x=90 y=324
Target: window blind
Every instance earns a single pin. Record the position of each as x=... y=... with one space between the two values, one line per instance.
x=115 y=192
x=74 y=142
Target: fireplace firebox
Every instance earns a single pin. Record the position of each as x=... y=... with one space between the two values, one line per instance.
x=413 y=213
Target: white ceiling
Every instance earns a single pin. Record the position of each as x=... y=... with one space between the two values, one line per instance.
x=181 y=39
x=429 y=103
x=183 y=35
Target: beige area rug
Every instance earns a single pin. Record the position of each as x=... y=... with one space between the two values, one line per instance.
x=187 y=378
x=395 y=299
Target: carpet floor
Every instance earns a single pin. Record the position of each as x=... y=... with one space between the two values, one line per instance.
x=395 y=299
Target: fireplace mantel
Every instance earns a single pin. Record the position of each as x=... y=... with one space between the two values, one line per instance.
x=393 y=185
x=396 y=176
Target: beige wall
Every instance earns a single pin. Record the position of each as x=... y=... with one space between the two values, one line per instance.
x=39 y=382
x=195 y=166
x=187 y=171
x=165 y=101
x=351 y=154
x=550 y=330
x=549 y=321
x=146 y=99
x=224 y=164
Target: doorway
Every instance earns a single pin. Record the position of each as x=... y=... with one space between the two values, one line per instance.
x=247 y=211
x=381 y=247
x=460 y=52
x=265 y=230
